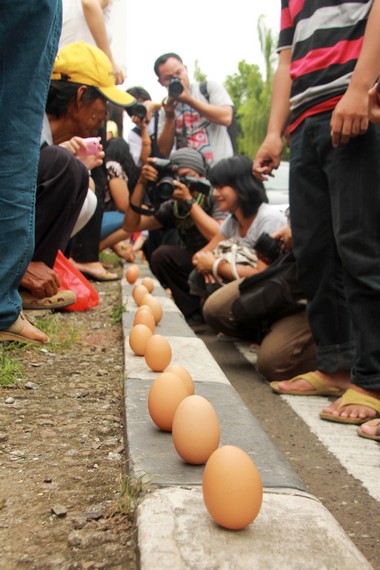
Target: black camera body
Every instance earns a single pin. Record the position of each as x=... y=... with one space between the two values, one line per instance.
x=137 y=110
x=168 y=172
x=268 y=247
x=175 y=87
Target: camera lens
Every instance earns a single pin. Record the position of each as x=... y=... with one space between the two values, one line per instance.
x=165 y=187
x=137 y=110
x=175 y=87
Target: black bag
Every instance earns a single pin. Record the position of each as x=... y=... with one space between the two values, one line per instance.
x=233 y=128
x=269 y=295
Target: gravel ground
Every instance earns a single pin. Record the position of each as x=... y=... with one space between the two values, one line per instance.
x=65 y=494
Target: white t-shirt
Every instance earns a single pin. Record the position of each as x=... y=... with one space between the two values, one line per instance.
x=268 y=220
x=74 y=25
x=211 y=139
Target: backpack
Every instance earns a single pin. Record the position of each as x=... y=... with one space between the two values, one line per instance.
x=233 y=128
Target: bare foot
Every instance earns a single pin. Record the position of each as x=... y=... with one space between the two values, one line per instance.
x=23 y=330
x=96 y=270
x=339 y=379
x=354 y=411
x=371 y=428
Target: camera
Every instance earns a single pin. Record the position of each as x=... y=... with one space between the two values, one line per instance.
x=268 y=247
x=137 y=110
x=163 y=189
x=175 y=87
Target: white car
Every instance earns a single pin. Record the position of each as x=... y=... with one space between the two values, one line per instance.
x=277 y=187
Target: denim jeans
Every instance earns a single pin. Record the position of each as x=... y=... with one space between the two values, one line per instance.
x=29 y=34
x=111 y=222
x=335 y=218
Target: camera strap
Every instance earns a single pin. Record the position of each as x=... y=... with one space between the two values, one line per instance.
x=140 y=210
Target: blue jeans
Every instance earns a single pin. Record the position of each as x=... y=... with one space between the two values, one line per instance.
x=335 y=218
x=29 y=34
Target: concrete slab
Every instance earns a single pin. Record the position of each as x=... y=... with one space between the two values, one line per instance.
x=291 y=532
x=151 y=452
x=190 y=352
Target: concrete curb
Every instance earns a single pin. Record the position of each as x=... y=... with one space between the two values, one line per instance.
x=292 y=531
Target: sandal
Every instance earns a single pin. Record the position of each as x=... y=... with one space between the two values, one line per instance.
x=375 y=436
x=59 y=301
x=353 y=397
x=321 y=388
x=13 y=332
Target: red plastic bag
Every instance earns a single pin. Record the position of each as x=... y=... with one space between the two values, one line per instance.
x=71 y=278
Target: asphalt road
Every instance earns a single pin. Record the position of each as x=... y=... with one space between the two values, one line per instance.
x=338 y=467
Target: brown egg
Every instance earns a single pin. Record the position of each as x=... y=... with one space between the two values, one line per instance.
x=132 y=273
x=158 y=353
x=184 y=374
x=148 y=283
x=195 y=429
x=138 y=292
x=166 y=392
x=138 y=338
x=145 y=318
x=232 y=487
x=154 y=304
x=143 y=308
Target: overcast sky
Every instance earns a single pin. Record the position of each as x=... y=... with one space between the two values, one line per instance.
x=217 y=34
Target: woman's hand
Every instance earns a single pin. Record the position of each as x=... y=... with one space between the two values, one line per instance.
x=203 y=262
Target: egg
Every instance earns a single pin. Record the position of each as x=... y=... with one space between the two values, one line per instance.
x=132 y=273
x=158 y=353
x=165 y=393
x=148 y=283
x=184 y=374
x=154 y=304
x=138 y=292
x=145 y=317
x=195 y=430
x=138 y=338
x=232 y=487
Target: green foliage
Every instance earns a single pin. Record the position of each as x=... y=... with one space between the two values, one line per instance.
x=11 y=369
x=198 y=74
x=117 y=313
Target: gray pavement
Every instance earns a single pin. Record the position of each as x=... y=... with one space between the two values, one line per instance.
x=293 y=529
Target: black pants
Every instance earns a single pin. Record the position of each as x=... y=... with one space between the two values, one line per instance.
x=172 y=264
x=62 y=185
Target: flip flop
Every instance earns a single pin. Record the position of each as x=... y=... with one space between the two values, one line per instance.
x=13 y=332
x=375 y=437
x=353 y=397
x=59 y=301
x=321 y=388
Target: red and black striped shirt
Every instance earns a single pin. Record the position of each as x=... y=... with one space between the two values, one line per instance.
x=325 y=37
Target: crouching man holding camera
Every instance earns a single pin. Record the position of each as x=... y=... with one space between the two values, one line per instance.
x=178 y=202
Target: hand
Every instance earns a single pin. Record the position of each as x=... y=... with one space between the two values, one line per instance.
x=350 y=116
x=118 y=74
x=148 y=173
x=285 y=235
x=267 y=157
x=40 y=280
x=181 y=191
x=203 y=261
x=75 y=144
x=374 y=104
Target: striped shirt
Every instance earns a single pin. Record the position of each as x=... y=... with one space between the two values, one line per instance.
x=325 y=37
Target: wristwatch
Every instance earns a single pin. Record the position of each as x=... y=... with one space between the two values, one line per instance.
x=187 y=204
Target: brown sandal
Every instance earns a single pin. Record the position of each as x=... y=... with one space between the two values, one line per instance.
x=13 y=332
x=59 y=301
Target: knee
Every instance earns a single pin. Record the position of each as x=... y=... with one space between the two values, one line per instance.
x=211 y=312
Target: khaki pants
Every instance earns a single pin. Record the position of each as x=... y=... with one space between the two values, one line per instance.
x=288 y=348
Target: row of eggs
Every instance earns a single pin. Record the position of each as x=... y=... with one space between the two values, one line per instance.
x=231 y=483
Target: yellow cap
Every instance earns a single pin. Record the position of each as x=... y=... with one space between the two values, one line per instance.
x=88 y=65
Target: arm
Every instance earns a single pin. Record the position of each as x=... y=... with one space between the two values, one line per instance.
x=133 y=221
x=268 y=156
x=118 y=188
x=165 y=141
x=350 y=117
x=92 y=10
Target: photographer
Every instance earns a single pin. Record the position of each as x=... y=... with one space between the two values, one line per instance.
x=193 y=114
x=195 y=215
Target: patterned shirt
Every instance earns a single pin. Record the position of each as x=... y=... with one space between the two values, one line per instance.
x=325 y=37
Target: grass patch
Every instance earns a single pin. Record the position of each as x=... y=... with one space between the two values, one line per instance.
x=128 y=493
x=117 y=314
x=62 y=334
x=11 y=369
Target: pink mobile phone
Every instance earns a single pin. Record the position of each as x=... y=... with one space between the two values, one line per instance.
x=92 y=147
